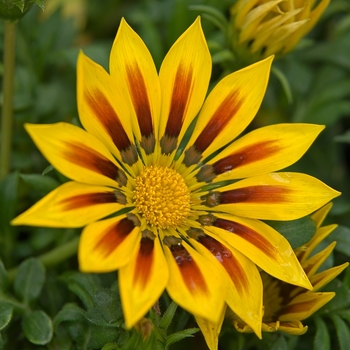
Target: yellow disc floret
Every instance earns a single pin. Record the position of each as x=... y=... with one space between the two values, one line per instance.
x=162 y=197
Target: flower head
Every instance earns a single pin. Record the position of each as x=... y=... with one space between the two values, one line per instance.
x=172 y=209
x=285 y=306
x=265 y=27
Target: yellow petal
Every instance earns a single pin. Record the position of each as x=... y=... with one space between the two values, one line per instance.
x=132 y=67
x=71 y=205
x=318 y=237
x=321 y=279
x=292 y=327
x=321 y=214
x=262 y=151
x=263 y=245
x=211 y=330
x=228 y=110
x=244 y=290
x=274 y=196
x=102 y=109
x=108 y=245
x=196 y=284
x=311 y=265
x=184 y=78
x=143 y=280
x=304 y=305
x=76 y=154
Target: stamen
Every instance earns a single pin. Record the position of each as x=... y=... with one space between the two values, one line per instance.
x=162 y=197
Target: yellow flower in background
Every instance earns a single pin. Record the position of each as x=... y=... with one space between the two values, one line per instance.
x=265 y=27
x=170 y=209
x=285 y=306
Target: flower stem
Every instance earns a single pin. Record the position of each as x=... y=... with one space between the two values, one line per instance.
x=7 y=109
x=54 y=256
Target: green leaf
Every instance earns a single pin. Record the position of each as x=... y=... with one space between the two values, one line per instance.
x=20 y=4
x=284 y=83
x=280 y=344
x=99 y=336
x=83 y=285
x=70 y=313
x=342 y=236
x=213 y=15
x=168 y=316
x=297 y=232
x=37 y=327
x=40 y=183
x=6 y=311
x=343 y=332
x=322 y=339
x=4 y=279
x=29 y=280
x=175 y=337
x=107 y=308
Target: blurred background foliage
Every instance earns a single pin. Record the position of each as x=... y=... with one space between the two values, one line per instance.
x=48 y=306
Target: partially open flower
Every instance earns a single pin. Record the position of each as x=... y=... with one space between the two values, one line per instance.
x=265 y=27
x=285 y=306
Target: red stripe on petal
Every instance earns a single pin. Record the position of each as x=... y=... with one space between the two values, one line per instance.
x=144 y=262
x=181 y=93
x=247 y=234
x=114 y=236
x=140 y=100
x=190 y=272
x=249 y=154
x=85 y=200
x=228 y=261
x=222 y=116
x=302 y=307
x=108 y=118
x=256 y=194
x=86 y=157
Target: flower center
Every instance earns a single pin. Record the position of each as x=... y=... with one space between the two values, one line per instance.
x=162 y=197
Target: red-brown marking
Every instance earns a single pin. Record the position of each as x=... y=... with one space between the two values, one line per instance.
x=228 y=261
x=114 y=236
x=85 y=200
x=181 y=93
x=249 y=235
x=244 y=156
x=222 y=116
x=108 y=118
x=88 y=158
x=256 y=194
x=138 y=90
x=144 y=262
x=299 y=307
x=190 y=272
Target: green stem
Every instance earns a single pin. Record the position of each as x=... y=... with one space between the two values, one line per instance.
x=54 y=256
x=7 y=109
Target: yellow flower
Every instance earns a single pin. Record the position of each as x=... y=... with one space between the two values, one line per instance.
x=285 y=306
x=265 y=27
x=180 y=211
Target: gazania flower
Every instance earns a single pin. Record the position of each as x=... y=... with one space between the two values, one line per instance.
x=265 y=27
x=285 y=306
x=168 y=208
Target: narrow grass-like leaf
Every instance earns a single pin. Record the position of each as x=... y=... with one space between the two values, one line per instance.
x=322 y=338
x=168 y=316
x=175 y=337
x=343 y=332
